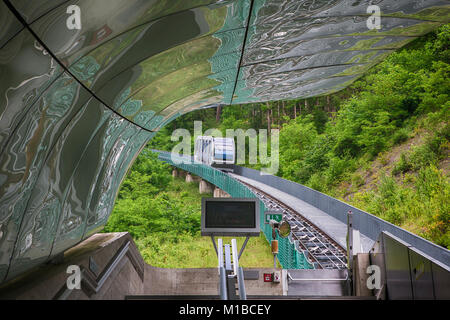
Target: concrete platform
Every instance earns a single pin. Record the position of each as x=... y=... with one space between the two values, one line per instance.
x=332 y=227
x=112 y=268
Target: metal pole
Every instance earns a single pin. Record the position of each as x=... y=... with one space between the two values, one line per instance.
x=214 y=243
x=242 y=293
x=223 y=284
x=350 y=250
x=350 y=240
x=243 y=246
x=220 y=253
x=235 y=256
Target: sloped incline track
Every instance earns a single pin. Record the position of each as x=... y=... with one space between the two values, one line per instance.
x=322 y=251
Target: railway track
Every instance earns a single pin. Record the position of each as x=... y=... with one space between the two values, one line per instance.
x=319 y=248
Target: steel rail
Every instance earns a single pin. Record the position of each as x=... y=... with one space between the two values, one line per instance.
x=335 y=255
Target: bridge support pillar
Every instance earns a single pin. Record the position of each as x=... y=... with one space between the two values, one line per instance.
x=189 y=178
x=219 y=193
x=205 y=187
x=175 y=173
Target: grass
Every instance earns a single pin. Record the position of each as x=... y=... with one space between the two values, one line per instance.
x=198 y=252
x=194 y=251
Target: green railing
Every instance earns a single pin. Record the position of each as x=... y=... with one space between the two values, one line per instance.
x=289 y=254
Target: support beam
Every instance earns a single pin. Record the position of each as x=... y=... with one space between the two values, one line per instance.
x=205 y=187
x=189 y=178
x=219 y=193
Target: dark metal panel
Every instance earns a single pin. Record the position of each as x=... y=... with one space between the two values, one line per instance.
x=262 y=86
x=187 y=72
x=44 y=208
x=255 y=80
x=157 y=102
x=441 y=280
x=84 y=182
x=421 y=275
x=9 y=25
x=24 y=155
x=196 y=101
x=398 y=275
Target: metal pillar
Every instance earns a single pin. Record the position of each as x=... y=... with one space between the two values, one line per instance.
x=230 y=273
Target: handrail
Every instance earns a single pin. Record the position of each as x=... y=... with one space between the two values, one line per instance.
x=324 y=279
x=112 y=266
x=223 y=284
x=94 y=285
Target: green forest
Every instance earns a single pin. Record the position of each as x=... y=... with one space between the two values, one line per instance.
x=381 y=145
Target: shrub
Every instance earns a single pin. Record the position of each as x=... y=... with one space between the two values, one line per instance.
x=403 y=165
x=317 y=182
x=357 y=180
x=400 y=136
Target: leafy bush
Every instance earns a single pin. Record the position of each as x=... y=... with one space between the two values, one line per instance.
x=400 y=136
x=426 y=205
x=402 y=166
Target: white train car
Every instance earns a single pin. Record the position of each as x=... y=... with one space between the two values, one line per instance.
x=216 y=152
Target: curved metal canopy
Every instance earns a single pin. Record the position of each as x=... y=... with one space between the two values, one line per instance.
x=77 y=105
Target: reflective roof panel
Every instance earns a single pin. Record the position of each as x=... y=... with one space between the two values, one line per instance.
x=103 y=20
x=272 y=11
x=155 y=65
x=258 y=52
x=32 y=10
x=284 y=36
x=9 y=24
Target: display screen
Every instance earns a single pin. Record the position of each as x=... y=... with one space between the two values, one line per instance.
x=230 y=214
